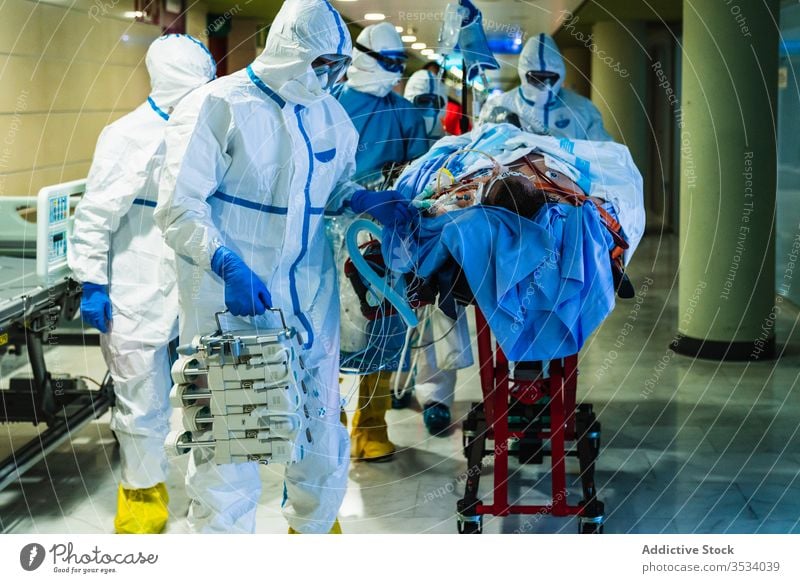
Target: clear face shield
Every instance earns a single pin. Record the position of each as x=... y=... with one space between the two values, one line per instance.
x=330 y=69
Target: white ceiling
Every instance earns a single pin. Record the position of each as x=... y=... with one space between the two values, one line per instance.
x=505 y=16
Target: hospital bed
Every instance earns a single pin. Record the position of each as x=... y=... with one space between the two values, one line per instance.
x=37 y=298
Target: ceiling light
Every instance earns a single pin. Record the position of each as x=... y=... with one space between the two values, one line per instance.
x=427 y=52
x=408 y=38
x=398 y=28
x=418 y=46
x=136 y=14
x=374 y=16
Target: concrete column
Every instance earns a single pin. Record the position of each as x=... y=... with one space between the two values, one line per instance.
x=728 y=142
x=619 y=83
x=578 y=61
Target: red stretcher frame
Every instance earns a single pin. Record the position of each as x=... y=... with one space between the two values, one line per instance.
x=561 y=388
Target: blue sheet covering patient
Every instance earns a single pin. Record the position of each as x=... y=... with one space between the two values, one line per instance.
x=544 y=284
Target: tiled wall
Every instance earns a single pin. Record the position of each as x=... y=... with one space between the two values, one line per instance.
x=67 y=69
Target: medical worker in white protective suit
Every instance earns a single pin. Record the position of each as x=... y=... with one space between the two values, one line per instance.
x=429 y=95
x=128 y=276
x=390 y=131
x=540 y=104
x=446 y=342
x=253 y=161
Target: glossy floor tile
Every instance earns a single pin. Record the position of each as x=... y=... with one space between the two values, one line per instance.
x=688 y=446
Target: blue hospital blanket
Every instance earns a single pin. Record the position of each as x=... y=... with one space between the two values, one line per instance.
x=544 y=285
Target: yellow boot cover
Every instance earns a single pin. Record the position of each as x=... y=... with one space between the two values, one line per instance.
x=142 y=511
x=370 y=438
x=335 y=529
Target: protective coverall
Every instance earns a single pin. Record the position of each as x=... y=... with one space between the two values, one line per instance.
x=128 y=274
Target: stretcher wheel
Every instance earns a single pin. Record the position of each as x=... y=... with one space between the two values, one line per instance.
x=469 y=521
x=471 y=526
x=590 y=528
x=191 y=416
x=183 y=370
x=591 y=522
x=176 y=441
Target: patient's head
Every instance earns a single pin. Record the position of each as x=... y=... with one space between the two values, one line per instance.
x=516 y=193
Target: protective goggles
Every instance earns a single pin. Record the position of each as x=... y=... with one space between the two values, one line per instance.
x=333 y=66
x=429 y=101
x=395 y=62
x=541 y=79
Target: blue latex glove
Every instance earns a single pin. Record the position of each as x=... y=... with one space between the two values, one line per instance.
x=96 y=306
x=386 y=206
x=245 y=293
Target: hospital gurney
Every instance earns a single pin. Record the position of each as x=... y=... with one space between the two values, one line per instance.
x=35 y=299
x=529 y=414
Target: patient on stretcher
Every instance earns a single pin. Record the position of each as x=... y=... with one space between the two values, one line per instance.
x=511 y=191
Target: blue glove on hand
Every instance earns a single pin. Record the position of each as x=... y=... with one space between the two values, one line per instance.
x=245 y=293
x=386 y=206
x=96 y=306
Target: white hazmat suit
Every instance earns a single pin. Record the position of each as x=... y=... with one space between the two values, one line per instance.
x=549 y=110
x=423 y=82
x=115 y=243
x=253 y=161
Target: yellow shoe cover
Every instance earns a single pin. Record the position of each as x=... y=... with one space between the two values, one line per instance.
x=370 y=438
x=141 y=511
x=335 y=529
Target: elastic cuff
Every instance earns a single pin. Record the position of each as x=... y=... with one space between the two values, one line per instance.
x=216 y=257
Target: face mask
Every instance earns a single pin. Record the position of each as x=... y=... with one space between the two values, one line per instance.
x=433 y=122
x=378 y=83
